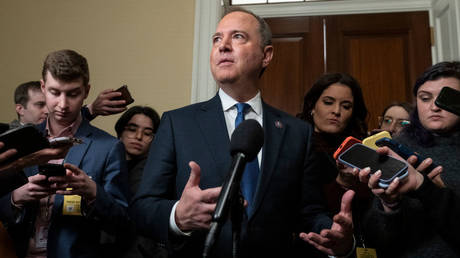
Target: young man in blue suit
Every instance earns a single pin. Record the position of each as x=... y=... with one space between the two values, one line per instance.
x=63 y=216
x=190 y=157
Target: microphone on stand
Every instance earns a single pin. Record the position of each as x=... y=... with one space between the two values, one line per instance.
x=245 y=144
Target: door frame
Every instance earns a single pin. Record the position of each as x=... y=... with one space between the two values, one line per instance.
x=207 y=15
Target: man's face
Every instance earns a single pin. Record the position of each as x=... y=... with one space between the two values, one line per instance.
x=63 y=99
x=237 y=55
x=35 y=110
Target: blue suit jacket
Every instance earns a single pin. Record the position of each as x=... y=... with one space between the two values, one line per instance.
x=285 y=201
x=102 y=157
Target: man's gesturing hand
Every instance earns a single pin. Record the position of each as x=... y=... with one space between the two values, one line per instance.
x=338 y=240
x=195 y=208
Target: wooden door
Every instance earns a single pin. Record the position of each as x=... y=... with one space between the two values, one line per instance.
x=385 y=52
x=297 y=61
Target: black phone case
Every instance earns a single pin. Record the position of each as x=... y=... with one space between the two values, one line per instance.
x=25 y=139
x=449 y=99
x=125 y=95
x=50 y=170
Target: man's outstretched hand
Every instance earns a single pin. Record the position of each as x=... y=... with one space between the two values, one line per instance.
x=338 y=240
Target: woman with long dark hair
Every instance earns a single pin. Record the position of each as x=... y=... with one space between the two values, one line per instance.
x=335 y=107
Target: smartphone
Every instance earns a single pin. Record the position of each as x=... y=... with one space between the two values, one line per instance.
x=449 y=99
x=404 y=152
x=370 y=141
x=61 y=141
x=125 y=95
x=361 y=156
x=25 y=139
x=50 y=170
x=347 y=143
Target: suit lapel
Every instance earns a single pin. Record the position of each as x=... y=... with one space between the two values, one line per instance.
x=274 y=129
x=77 y=152
x=211 y=120
x=75 y=156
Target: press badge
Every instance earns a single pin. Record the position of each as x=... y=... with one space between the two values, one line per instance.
x=72 y=205
x=365 y=252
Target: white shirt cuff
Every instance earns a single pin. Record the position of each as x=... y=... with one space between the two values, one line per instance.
x=172 y=223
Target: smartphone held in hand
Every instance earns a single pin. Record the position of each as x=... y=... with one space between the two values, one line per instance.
x=125 y=95
x=360 y=156
x=62 y=141
x=50 y=170
x=26 y=139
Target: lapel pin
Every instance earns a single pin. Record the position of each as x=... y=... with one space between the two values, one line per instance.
x=278 y=124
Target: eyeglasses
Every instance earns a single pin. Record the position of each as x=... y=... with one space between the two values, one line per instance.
x=131 y=131
x=388 y=121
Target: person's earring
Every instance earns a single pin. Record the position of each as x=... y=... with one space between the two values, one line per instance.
x=312 y=112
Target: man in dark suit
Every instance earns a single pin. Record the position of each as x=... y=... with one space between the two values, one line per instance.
x=190 y=157
x=63 y=216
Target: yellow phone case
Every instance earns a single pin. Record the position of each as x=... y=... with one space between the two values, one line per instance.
x=370 y=141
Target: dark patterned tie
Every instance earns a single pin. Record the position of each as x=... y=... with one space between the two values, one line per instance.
x=251 y=171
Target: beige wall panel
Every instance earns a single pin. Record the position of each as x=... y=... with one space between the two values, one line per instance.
x=146 y=44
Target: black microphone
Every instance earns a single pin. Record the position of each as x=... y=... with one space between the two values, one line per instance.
x=245 y=144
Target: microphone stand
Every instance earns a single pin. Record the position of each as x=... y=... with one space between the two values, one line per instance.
x=236 y=216
x=230 y=201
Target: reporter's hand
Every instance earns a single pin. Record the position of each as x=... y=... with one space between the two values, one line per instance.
x=36 y=189
x=104 y=105
x=76 y=179
x=195 y=208
x=338 y=240
x=4 y=155
x=434 y=175
x=347 y=176
x=392 y=194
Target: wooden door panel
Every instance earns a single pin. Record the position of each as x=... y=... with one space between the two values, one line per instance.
x=297 y=61
x=382 y=82
x=282 y=83
x=384 y=52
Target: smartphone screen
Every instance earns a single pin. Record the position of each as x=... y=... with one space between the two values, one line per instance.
x=449 y=99
x=361 y=156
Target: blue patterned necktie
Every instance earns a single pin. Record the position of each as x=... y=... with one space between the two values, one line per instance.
x=251 y=171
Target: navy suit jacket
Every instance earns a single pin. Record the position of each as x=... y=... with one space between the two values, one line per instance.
x=102 y=157
x=283 y=202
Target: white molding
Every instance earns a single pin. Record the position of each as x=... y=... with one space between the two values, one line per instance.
x=339 y=7
x=447 y=44
x=207 y=13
